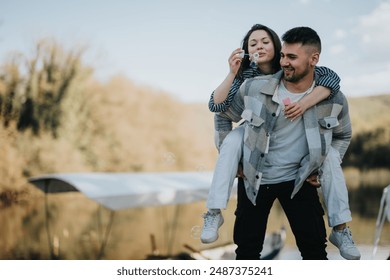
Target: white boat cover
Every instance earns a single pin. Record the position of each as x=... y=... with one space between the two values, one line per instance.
x=128 y=190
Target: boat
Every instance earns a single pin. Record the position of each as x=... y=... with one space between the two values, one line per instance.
x=117 y=191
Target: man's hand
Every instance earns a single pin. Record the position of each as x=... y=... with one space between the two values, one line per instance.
x=240 y=171
x=314 y=180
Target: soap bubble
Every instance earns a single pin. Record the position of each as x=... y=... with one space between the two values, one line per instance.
x=196 y=232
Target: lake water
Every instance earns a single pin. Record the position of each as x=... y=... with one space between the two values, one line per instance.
x=75 y=227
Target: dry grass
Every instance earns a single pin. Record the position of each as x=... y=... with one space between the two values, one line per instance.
x=369 y=113
x=116 y=127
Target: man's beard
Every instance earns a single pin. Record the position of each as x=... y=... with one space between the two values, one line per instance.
x=294 y=78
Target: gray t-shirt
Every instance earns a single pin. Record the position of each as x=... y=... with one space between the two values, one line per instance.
x=288 y=143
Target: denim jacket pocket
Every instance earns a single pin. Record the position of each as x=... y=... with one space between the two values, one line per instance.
x=328 y=122
x=252 y=128
x=252 y=119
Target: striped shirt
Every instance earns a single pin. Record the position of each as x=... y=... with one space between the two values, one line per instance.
x=326 y=78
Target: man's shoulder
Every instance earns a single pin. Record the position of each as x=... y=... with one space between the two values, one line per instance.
x=333 y=106
x=259 y=80
x=339 y=98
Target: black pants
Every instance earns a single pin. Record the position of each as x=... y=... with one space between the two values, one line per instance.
x=304 y=213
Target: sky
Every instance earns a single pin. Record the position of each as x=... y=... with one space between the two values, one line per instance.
x=182 y=46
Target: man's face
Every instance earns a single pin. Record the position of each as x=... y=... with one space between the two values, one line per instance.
x=296 y=61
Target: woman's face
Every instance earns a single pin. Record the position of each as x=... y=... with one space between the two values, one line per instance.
x=261 y=43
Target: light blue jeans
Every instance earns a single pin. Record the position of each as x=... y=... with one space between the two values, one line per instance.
x=333 y=186
x=225 y=171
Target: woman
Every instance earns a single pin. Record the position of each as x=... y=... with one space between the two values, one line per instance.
x=261 y=47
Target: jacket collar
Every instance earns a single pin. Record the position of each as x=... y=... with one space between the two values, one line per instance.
x=270 y=87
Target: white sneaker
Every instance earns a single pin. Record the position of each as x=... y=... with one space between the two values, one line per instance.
x=212 y=222
x=343 y=241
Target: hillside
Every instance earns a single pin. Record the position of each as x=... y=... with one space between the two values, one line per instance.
x=369 y=113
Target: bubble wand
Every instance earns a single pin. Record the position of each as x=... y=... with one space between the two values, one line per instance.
x=255 y=57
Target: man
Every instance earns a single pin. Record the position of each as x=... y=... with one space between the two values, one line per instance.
x=279 y=155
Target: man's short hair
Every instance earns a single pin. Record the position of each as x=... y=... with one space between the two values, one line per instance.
x=304 y=35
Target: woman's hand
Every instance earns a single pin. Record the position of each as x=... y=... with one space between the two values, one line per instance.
x=235 y=61
x=294 y=110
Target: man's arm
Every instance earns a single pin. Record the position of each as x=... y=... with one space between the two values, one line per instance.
x=342 y=133
x=222 y=127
